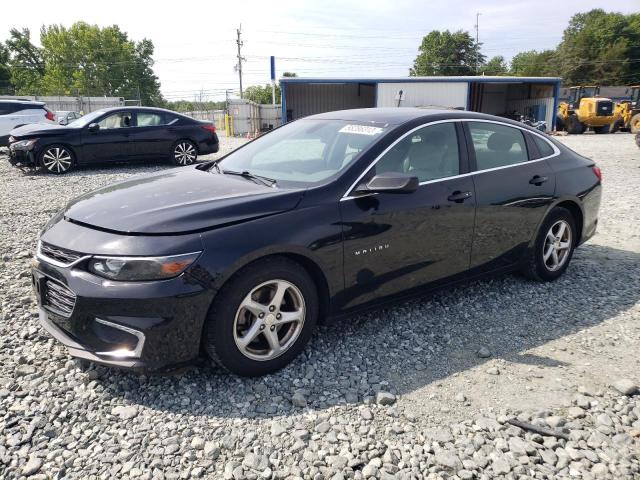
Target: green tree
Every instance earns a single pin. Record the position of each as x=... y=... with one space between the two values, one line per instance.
x=289 y=74
x=535 y=64
x=600 y=47
x=25 y=62
x=5 y=72
x=259 y=94
x=447 y=53
x=89 y=60
x=495 y=66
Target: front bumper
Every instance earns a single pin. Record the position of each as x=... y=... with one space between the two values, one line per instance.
x=139 y=325
x=22 y=157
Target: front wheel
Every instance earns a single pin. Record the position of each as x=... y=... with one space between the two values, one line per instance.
x=184 y=153
x=262 y=318
x=553 y=247
x=634 y=123
x=57 y=159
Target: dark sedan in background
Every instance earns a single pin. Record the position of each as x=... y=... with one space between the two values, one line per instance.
x=112 y=135
x=238 y=258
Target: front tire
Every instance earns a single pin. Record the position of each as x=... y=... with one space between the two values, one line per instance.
x=57 y=159
x=634 y=124
x=262 y=318
x=574 y=126
x=184 y=153
x=553 y=247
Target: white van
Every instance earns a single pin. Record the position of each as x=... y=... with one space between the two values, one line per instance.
x=14 y=113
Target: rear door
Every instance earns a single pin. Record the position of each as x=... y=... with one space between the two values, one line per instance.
x=112 y=142
x=513 y=190
x=151 y=137
x=394 y=242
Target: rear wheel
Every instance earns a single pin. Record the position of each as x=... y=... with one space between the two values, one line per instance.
x=184 y=153
x=57 y=159
x=553 y=247
x=262 y=319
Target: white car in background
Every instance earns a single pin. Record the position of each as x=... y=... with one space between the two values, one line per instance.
x=65 y=117
x=14 y=113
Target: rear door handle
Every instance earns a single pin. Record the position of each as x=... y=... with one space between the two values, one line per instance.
x=538 y=180
x=459 y=196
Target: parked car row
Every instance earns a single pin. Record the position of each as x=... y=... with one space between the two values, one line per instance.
x=111 y=135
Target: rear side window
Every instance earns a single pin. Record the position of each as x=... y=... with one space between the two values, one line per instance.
x=497 y=145
x=147 y=119
x=544 y=147
x=6 y=108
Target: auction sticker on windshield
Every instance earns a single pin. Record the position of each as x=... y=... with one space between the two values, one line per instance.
x=361 y=129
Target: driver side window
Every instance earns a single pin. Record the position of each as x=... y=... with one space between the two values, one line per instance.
x=428 y=153
x=117 y=120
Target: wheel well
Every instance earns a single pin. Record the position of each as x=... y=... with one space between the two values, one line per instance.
x=65 y=145
x=310 y=267
x=577 y=215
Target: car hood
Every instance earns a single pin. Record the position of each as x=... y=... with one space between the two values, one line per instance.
x=177 y=201
x=38 y=129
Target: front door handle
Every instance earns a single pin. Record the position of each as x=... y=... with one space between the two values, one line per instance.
x=459 y=196
x=538 y=180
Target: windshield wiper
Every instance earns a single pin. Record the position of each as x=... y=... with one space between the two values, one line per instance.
x=269 y=182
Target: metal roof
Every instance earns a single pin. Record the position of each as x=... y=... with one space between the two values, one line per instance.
x=468 y=79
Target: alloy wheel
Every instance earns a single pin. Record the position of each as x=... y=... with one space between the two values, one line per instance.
x=557 y=245
x=269 y=320
x=185 y=153
x=57 y=159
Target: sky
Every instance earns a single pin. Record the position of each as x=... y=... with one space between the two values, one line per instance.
x=195 y=41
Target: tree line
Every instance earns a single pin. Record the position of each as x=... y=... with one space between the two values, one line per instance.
x=597 y=47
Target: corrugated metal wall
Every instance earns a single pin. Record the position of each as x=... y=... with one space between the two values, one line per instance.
x=270 y=116
x=310 y=98
x=416 y=94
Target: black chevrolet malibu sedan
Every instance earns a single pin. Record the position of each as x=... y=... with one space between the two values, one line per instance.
x=112 y=135
x=238 y=259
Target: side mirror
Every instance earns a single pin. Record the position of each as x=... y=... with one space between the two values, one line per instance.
x=93 y=127
x=62 y=121
x=390 y=182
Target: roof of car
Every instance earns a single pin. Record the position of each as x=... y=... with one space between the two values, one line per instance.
x=397 y=116
x=132 y=109
x=21 y=102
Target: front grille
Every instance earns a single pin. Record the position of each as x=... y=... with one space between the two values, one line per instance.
x=604 y=108
x=58 y=298
x=58 y=254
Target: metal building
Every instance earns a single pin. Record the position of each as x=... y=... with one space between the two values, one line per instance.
x=536 y=97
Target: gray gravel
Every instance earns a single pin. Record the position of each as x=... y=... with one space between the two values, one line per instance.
x=424 y=389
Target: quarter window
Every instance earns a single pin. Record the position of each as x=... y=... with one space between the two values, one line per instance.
x=544 y=148
x=497 y=145
x=428 y=153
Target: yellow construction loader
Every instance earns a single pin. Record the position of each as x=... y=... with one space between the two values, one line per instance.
x=585 y=109
x=628 y=111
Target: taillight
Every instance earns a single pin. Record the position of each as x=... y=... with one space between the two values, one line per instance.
x=597 y=172
x=209 y=128
x=49 y=115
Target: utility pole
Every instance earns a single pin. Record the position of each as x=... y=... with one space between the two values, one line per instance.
x=240 y=57
x=477 y=39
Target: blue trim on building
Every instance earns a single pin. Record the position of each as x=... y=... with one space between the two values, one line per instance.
x=556 y=94
x=283 y=101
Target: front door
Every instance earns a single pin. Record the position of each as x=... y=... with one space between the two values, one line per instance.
x=512 y=193
x=111 y=142
x=394 y=242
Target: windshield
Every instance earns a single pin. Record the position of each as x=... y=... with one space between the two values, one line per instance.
x=306 y=151
x=87 y=119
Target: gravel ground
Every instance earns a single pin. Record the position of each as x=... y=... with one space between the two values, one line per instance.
x=425 y=389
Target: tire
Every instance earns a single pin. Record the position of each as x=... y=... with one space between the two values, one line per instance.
x=539 y=268
x=57 y=159
x=601 y=130
x=237 y=338
x=574 y=126
x=560 y=125
x=184 y=152
x=638 y=139
x=634 y=123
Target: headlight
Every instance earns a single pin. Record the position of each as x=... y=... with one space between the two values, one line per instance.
x=25 y=144
x=132 y=269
